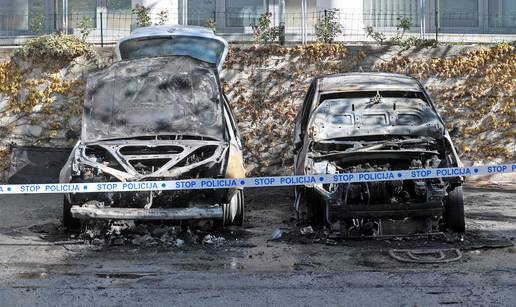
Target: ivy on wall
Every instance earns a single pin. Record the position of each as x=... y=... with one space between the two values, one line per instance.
x=42 y=91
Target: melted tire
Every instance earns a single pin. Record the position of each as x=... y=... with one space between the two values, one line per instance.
x=240 y=210
x=234 y=212
x=69 y=222
x=454 y=211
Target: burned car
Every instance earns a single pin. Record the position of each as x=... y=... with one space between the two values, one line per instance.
x=153 y=119
x=374 y=122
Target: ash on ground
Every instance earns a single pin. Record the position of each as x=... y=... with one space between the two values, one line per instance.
x=128 y=232
x=144 y=234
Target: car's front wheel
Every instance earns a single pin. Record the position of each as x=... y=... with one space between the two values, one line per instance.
x=454 y=211
x=234 y=211
x=237 y=208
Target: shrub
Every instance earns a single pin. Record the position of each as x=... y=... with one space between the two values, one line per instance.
x=327 y=28
x=404 y=24
x=264 y=32
x=378 y=37
x=162 y=17
x=142 y=16
x=212 y=24
x=54 y=47
x=85 y=26
x=37 y=24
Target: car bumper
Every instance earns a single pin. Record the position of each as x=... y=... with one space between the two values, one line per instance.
x=386 y=211
x=147 y=214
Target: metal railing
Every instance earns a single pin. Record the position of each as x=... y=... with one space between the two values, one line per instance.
x=107 y=27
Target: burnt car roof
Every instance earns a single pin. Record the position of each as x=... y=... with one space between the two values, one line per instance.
x=367 y=81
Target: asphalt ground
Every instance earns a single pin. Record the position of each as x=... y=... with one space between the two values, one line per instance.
x=42 y=266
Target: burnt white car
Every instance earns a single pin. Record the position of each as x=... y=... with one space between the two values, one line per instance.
x=371 y=122
x=159 y=114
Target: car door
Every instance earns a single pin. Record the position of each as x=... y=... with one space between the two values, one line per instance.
x=300 y=132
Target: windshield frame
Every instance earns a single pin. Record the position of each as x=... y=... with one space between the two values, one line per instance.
x=219 y=61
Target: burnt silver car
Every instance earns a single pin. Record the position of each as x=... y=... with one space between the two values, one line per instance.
x=370 y=122
x=151 y=119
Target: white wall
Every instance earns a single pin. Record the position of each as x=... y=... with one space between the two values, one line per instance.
x=350 y=13
x=156 y=6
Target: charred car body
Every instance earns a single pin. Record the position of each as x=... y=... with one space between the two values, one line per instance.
x=374 y=122
x=152 y=119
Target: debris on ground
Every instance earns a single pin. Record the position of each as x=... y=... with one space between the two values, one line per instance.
x=428 y=256
x=145 y=240
x=47 y=228
x=179 y=243
x=209 y=239
x=276 y=234
x=306 y=230
x=129 y=232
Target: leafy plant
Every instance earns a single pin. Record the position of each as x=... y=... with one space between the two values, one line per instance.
x=403 y=25
x=85 y=26
x=418 y=42
x=142 y=13
x=162 y=17
x=212 y=24
x=264 y=32
x=327 y=28
x=55 y=47
x=378 y=37
x=37 y=24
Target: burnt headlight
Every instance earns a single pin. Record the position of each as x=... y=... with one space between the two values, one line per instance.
x=88 y=159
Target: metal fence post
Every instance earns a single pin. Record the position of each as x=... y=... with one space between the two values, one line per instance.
x=282 y=22
x=436 y=20
x=101 y=30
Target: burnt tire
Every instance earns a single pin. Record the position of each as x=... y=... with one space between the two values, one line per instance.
x=69 y=222
x=454 y=211
x=316 y=210
x=234 y=211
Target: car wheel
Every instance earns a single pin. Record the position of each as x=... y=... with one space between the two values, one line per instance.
x=237 y=208
x=316 y=212
x=234 y=211
x=69 y=222
x=454 y=211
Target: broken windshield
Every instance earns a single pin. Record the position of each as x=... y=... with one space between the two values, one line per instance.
x=202 y=48
x=159 y=96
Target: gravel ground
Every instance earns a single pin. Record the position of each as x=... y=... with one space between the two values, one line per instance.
x=41 y=266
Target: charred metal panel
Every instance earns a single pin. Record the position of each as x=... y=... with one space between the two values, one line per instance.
x=354 y=82
x=146 y=214
x=173 y=96
x=34 y=165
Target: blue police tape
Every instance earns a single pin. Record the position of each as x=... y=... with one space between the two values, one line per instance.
x=194 y=184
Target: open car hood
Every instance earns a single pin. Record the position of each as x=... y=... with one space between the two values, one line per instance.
x=174 y=96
